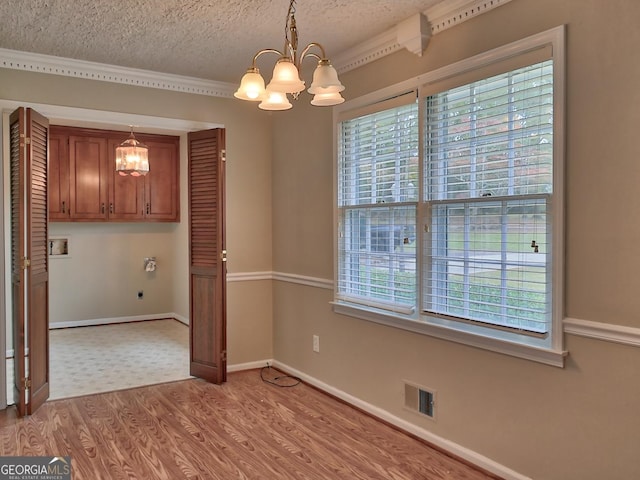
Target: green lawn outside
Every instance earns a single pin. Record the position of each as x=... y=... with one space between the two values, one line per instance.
x=522 y=305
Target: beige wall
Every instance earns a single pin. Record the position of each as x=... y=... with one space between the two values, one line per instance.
x=248 y=210
x=104 y=271
x=579 y=422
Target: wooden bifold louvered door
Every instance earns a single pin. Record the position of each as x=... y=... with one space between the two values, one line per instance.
x=29 y=133
x=207 y=256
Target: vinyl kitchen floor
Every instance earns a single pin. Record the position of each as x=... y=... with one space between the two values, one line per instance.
x=86 y=360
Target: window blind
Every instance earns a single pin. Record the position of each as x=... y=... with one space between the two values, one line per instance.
x=377 y=197
x=378 y=157
x=488 y=185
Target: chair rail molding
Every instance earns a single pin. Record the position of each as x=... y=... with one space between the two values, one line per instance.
x=603 y=331
x=584 y=328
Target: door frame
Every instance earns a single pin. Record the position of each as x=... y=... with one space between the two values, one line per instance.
x=73 y=116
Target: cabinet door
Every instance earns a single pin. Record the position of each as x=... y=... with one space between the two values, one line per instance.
x=162 y=181
x=126 y=193
x=58 y=176
x=88 y=165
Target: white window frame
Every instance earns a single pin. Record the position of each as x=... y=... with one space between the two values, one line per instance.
x=550 y=350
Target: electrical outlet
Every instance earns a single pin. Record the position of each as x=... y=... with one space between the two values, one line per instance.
x=140 y=294
x=316 y=343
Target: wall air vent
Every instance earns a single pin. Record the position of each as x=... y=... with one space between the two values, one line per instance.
x=419 y=399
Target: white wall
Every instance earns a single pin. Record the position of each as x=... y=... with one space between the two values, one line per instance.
x=104 y=271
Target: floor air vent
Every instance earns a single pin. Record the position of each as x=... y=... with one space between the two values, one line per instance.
x=419 y=399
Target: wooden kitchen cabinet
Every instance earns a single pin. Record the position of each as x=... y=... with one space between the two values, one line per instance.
x=84 y=185
x=88 y=182
x=58 y=175
x=161 y=192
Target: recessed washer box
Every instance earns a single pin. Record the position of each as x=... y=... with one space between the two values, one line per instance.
x=60 y=247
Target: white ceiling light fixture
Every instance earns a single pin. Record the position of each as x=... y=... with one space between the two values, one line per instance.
x=132 y=157
x=325 y=87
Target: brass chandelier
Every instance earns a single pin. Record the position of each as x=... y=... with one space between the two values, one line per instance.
x=325 y=87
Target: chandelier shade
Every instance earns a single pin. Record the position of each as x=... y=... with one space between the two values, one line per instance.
x=285 y=80
x=327 y=99
x=132 y=157
x=275 y=101
x=325 y=79
x=251 y=86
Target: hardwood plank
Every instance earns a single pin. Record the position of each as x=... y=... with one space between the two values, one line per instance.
x=243 y=429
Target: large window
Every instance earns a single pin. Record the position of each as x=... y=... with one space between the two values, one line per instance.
x=449 y=221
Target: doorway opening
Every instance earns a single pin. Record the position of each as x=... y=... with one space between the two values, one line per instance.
x=76 y=117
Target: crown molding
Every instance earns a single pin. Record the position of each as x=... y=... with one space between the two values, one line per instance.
x=448 y=14
x=68 y=67
x=442 y=16
x=376 y=47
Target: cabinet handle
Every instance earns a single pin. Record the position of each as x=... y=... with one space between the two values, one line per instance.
x=103 y=208
x=148 y=208
x=111 y=208
x=63 y=207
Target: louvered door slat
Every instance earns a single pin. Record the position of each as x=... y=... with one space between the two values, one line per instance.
x=17 y=152
x=38 y=272
x=29 y=261
x=207 y=288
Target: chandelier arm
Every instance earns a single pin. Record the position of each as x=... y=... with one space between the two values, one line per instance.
x=265 y=50
x=306 y=53
x=311 y=54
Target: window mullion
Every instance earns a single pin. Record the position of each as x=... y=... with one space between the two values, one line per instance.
x=374 y=170
x=473 y=143
x=511 y=151
x=466 y=244
x=503 y=270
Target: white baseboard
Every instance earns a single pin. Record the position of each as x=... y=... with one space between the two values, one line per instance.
x=108 y=321
x=453 y=448
x=238 y=367
x=180 y=318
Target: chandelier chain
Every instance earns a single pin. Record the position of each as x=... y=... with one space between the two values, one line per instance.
x=291 y=44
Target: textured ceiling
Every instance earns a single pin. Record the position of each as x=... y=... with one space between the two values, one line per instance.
x=208 y=39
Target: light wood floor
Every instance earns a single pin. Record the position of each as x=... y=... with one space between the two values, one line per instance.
x=244 y=429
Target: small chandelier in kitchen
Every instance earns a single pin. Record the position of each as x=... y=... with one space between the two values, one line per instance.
x=132 y=157
x=325 y=86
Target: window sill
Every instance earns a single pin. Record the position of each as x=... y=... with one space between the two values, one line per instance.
x=525 y=347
